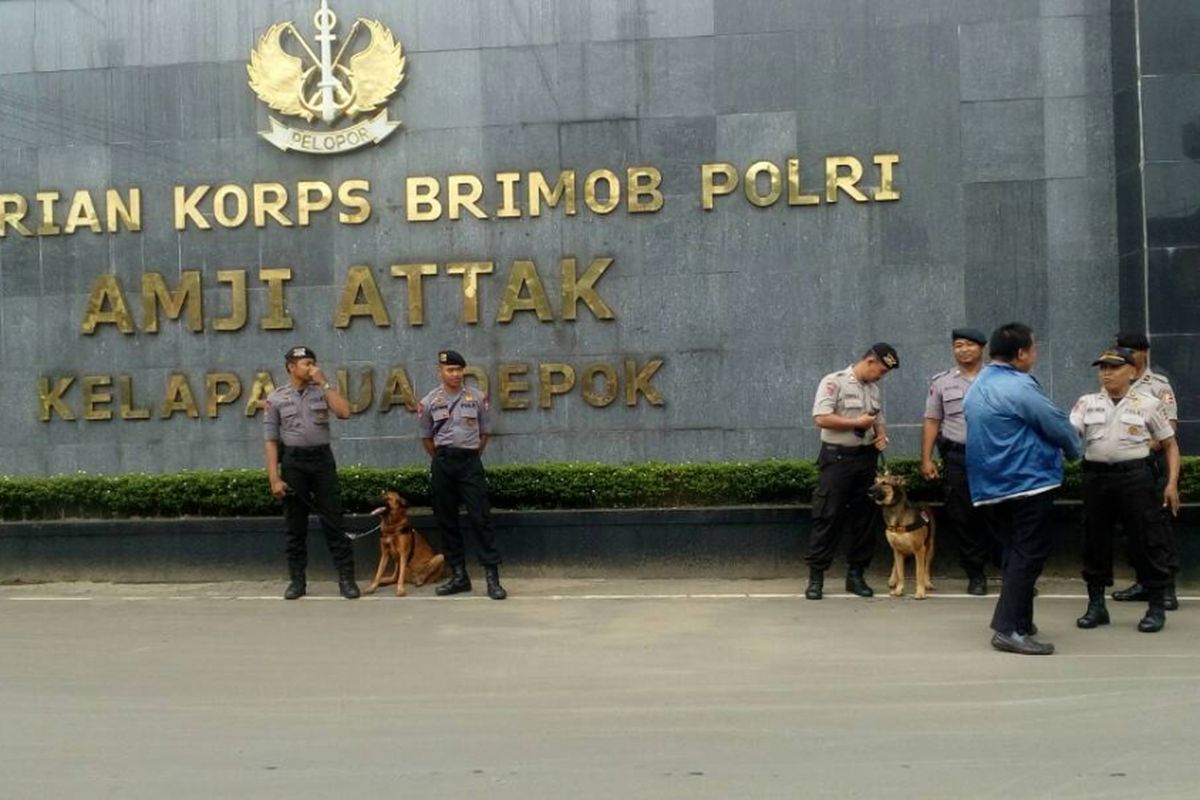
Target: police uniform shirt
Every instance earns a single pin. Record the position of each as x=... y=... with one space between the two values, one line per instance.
x=1120 y=431
x=945 y=403
x=1158 y=387
x=297 y=417
x=843 y=394
x=454 y=420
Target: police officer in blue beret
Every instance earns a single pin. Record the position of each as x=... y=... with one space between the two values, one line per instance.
x=455 y=422
x=301 y=467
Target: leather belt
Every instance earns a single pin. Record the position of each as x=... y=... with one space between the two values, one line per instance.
x=1132 y=465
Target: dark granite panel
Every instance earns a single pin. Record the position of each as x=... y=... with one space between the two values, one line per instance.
x=1174 y=289
x=1005 y=222
x=1178 y=356
x=1130 y=227
x=73 y=107
x=1132 y=287
x=754 y=16
x=755 y=72
x=146 y=103
x=1173 y=204
x=1171 y=116
x=1003 y=140
x=1126 y=128
x=1123 y=38
x=676 y=77
x=1000 y=60
x=1169 y=30
x=19 y=103
x=678 y=146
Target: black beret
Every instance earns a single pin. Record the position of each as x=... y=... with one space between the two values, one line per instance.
x=451 y=358
x=299 y=352
x=1117 y=356
x=887 y=354
x=1132 y=340
x=970 y=334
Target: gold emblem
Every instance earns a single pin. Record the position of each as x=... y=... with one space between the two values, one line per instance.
x=320 y=86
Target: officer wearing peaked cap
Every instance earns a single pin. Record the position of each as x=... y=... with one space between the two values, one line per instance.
x=1158 y=386
x=848 y=410
x=945 y=425
x=455 y=423
x=1117 y=425
x=301 y=467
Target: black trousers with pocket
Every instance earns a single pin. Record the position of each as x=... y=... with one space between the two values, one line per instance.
x=841 y=505
x=457 y=479
x=1024 y=522
x=978 y=545
x=1126 y=494
x=311 y=473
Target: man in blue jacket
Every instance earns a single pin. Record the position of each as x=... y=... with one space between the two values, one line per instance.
x=1016 y=438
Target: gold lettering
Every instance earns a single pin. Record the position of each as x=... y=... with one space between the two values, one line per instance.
x=887 y=189
x=414 y=274
x=605 y=396
x=524 y=273
x=241 y=205
x=178 y=397
x=548 y=387
x=397 y=391
x=187 y=207
x=119 y=211
x=361 y=206
x=644 y=193
x=750 y=185
x=592 y=197
x=639 y=381
x=82 y=212
x=272 y=206
x=311 y=196
x=834 y=180
x=366 y=390
x=360 y=281
x=125 y=391
x=92 y=397
x=796 y=195
x=574 y=290
x=236 y=278
x=470 y=285
x=13 y=208
x=276 y=318
x=464 y=192
x=50 y=400
x=478 y=376
x=47 y=226
x=421 y=199
x=260 y=390
x=710 y=187
x=223 y=388
x=155 y=293
x=106 y=291
x=539 y=190
x=508 y=191
x=509 y=386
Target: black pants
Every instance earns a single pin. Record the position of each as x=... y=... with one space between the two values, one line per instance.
x=1024 y=522
x=840 y=503
x=1158 y=465
x=978 y=545
x=457 y=479
x=1126 y=494
x=312 y=473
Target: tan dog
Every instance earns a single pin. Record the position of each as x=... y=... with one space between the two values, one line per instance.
x=909 y=530
x=403 y=545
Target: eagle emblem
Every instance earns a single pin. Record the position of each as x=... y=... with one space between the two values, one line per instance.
x=323 y=85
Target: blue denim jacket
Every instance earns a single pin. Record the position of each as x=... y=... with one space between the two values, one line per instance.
x=1016 y=436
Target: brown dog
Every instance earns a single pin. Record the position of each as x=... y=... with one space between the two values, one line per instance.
x=403 y=545
x=909 y=530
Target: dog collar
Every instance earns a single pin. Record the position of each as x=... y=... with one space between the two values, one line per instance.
x=920 y=522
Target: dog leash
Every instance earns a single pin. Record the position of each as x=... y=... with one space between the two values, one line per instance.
x=351 y=535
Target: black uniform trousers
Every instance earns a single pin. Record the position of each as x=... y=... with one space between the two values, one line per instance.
x=978 y=545
x=841 y=503
x=457 y=478
x=1158 y=465
x=1025 y=521
x=311 y=473
x=1124 y=493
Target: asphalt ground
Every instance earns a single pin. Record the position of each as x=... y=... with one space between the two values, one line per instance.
x=581 y=689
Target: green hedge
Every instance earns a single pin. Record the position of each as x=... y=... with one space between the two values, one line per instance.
x=245 y=493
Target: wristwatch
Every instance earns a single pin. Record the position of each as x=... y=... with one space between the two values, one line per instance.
x=326 y=386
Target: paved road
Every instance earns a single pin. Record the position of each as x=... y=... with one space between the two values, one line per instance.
x=582 y=689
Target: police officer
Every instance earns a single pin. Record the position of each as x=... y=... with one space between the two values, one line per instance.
x=1156 y=385
x=848 y=410
x=946 y=426
x=301 y=467
x=455 y=425
x=1117 y=425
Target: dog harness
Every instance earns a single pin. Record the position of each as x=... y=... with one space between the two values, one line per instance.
x=922 y=520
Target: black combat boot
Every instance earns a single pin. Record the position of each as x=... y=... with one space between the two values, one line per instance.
x=494 y=589
x=977 y=584
x=457 y=584
x=1156 y=614
x=1170 y=600
x=296 y=587
x=1133 y=594
x=856 y=584
x=1097 y=612
x=348 y=587
x=816 y=584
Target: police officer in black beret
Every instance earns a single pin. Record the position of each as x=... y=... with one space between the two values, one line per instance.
x=945 y=425
x=455 y=422
x=848 y=410
x=301 y=467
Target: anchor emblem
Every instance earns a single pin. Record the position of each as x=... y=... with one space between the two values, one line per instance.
x=324 y=87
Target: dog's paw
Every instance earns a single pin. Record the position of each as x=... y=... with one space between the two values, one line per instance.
x=371 y=589
x=401 y=591
x=897 y=591
x=920 y=595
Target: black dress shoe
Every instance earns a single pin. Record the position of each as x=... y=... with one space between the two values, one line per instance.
x=857 y=584
x=1133 y=594
x=1031 y=630
x=1022 y=644
x=349 y=589
x=977 y=585
x=295 y=590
